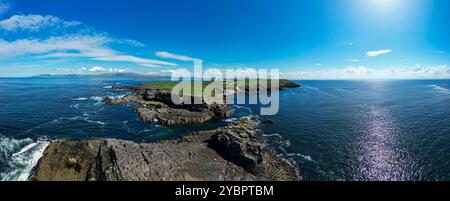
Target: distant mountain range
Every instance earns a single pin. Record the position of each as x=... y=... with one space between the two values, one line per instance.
x=104 y=75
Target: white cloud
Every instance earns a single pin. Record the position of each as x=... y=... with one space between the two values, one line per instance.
x=417 y=68
x=377 y=53
x=361 y=72
x=94 y=69
x=97 y=69
x=79 y=42
x=57 y=46
x=319 y=64
x=355 y=60
x=88 y=46
x=35 y=22
x=167 y=55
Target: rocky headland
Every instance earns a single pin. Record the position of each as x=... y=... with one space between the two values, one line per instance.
x=230 y=153
x=156 y=105
x=153 y=102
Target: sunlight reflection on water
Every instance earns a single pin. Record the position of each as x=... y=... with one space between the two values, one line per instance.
x=383 y=155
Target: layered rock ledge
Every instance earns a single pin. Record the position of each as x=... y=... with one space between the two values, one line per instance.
x=230 y=153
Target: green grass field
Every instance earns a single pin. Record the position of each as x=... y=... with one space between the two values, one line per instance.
x=169 y=85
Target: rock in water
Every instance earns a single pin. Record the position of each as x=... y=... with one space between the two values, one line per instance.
x=231 y=153
x=268 y=121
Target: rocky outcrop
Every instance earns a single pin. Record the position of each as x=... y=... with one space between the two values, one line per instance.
x=231 y=153
x=240 y=144
x=288 y=84
x=154 y=104
x=256 y=88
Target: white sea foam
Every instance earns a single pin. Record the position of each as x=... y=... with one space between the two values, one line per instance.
x=272 y=135
x=80 y=99
x=440 y=89
x=306 y=157
x=98 y=99
x=279 y=145
x=246 y=109
x=107 y=87
x=230 y=120
x=44 y=125
x=85 y=118
x=95 y=122
x=117 y=96
x=317 y=90
x=22 y=155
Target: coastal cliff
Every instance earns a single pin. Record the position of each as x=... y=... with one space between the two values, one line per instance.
x=230 y=153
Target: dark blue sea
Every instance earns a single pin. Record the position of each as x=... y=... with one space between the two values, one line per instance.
x=329 y=130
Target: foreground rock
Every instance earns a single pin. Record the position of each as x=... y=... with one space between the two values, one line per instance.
x=231 y=153
x=154 y=104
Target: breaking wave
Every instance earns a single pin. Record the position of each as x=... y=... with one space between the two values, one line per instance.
x=80 y=99
x=20 y=156
x=279 y=145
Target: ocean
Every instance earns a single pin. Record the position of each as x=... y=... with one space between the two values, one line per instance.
x=328 y=130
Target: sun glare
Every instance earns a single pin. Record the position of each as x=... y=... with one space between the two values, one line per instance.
x=386 y=11
x=385 y=4
x=387 y=7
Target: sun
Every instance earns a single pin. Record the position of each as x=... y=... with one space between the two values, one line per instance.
x=385 y=5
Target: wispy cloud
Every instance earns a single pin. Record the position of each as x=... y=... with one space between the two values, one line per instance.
x=4 y=7
x=377 y=53
x=138 y=60
x=167 y=55
x=131 y=42
x=35 y=23
x=149 y=65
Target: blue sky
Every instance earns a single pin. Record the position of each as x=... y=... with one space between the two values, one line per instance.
x=305 y=39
